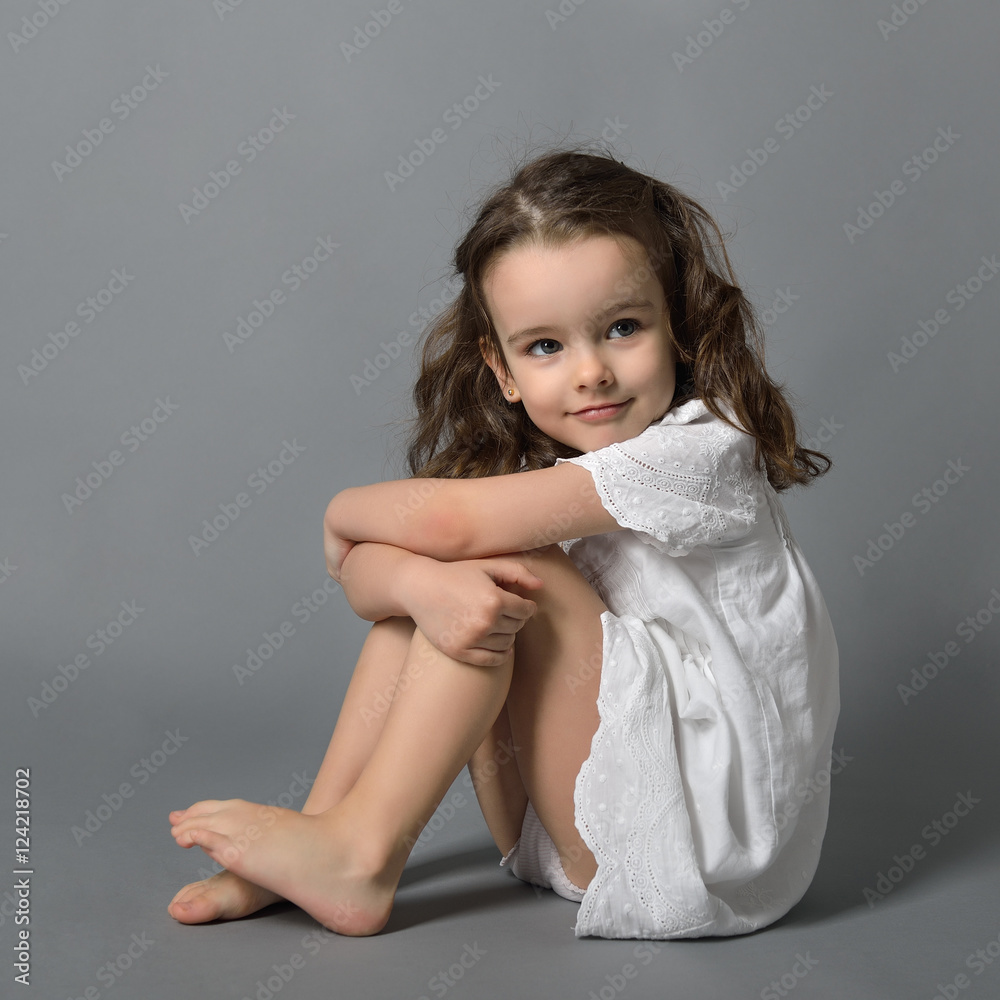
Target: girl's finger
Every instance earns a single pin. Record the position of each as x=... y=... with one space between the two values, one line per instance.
x=507 y=571
x=518 y=608
x=497 y=642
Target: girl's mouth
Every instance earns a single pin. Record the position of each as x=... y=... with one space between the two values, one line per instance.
x=602 y=412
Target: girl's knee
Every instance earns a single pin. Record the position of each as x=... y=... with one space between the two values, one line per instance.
x=550 y=559
x=546 y=553
x=399 y=626
x=567 y=585
x=390 y=637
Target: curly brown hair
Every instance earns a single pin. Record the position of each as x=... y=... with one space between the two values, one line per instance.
x=463 y=427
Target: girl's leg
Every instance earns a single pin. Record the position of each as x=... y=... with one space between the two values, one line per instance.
x=552 y=702
x=497 y=781
x=343 y=865
x=362 y=715
x=363 y=712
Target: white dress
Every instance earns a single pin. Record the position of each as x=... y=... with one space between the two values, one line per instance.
x=704 y=797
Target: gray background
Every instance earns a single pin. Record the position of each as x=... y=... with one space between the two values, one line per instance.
x=603 y=67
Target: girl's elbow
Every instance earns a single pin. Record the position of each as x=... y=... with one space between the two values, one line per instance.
x=334 y=509
x=442 y=534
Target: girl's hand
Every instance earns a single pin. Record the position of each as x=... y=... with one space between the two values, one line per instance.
x=336 y=549
x=465 y=609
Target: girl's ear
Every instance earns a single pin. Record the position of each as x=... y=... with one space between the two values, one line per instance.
x=510 y=393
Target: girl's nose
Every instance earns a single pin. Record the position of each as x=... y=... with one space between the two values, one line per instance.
x=592 y=371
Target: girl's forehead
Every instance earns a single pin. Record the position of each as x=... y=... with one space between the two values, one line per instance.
x=617 y=246
x=586 y=262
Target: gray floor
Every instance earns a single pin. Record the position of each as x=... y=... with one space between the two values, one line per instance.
x=92 y=901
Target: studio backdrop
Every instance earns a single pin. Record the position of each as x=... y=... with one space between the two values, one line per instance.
x=224 y=228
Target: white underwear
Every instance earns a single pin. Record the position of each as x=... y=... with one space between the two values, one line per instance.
x=534 y=859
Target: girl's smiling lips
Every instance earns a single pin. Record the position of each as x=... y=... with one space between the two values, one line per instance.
x=602 y=411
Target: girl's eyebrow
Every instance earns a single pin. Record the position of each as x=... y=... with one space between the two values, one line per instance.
x=621 y=306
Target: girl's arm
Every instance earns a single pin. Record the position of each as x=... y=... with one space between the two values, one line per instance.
x=372 y=576
x=452 y=519
x=462 y=607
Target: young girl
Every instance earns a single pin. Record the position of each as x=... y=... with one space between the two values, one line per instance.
x=646 y=708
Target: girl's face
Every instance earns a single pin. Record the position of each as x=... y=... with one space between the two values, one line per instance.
x=584 y=332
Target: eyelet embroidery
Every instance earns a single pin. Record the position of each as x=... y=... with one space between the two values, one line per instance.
x=641 y=493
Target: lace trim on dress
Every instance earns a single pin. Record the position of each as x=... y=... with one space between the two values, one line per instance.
x=630 y=807
x=624 y=481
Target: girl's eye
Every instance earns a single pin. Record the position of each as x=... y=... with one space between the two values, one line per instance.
x=547 y=347
x=626 y=323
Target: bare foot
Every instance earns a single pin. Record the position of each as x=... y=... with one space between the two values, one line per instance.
x=224 y=896
x=314 y=861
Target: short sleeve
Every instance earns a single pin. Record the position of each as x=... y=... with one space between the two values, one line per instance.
x=687 y=480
